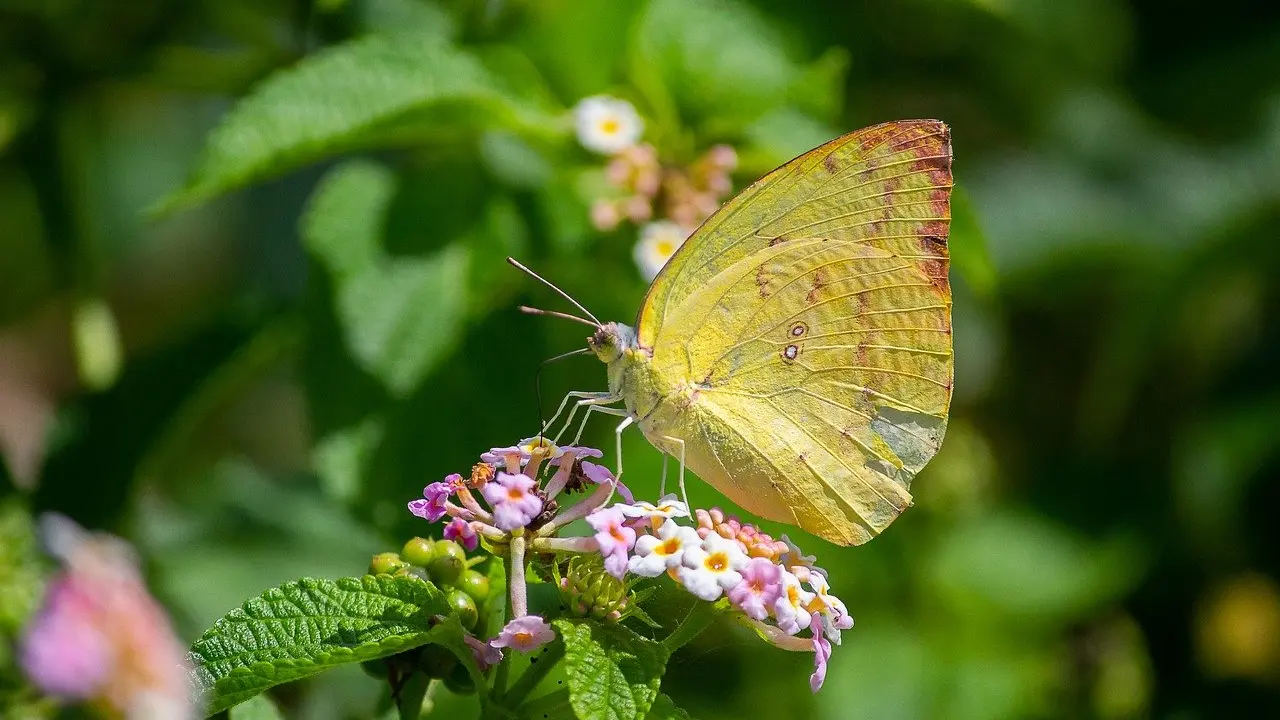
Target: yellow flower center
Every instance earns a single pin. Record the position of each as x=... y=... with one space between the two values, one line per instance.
x=610 y=126
x=523 y=638
x=717 y=562
x=669 y=547
x=515 y=494
x=665 y=248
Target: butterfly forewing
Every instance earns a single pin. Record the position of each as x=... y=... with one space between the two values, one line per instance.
x=887 y=186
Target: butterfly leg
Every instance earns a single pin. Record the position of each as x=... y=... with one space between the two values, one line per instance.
x=684 y=495
x=596 y=406
x=589 y=403
x=565 y=402
x=662 y=486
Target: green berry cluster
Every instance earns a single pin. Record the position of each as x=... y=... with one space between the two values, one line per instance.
x=445 y=564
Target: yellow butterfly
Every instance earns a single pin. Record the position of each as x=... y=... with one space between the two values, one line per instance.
x=796 y=351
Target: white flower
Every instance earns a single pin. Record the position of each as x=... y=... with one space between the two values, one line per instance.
x=538 y=442
x=794 y=557
x=655 y=555
x=712 y=567
x=791 y=608
x=607 y=125
x=658 y=242
x=668 y=507
x=835 y=616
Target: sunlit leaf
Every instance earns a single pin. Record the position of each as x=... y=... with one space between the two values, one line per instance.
x=613 y=673
x=308 y=626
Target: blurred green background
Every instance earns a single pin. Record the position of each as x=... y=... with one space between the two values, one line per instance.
x=246 y=351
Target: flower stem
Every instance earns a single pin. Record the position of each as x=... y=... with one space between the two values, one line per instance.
x=515 y=577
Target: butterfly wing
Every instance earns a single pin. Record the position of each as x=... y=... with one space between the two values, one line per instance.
x=888 y=186
x=812 y=355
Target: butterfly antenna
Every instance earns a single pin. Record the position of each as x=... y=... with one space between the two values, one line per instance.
x=516 y=263
x=537 y=381
x=535 y=311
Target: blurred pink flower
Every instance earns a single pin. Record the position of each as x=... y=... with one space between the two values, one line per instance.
x=100 y=636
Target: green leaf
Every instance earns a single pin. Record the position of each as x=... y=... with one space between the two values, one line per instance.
x=308 y=626
x=403 y=317
x=968 y=246
x=331 y=102
x=720 y=60
x=21 y=581
x=258 y=707
x=400 y=315
x=664 y=709
x=343 y=224
x=613 y=673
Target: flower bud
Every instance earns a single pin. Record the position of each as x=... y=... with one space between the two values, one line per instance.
x=591 y=591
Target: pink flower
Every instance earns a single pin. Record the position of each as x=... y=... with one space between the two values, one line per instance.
x=759 y=589
x=486 y=655
x=821 y=654
x=513 y=500
x=499 y=456
x=64 y=651
x=575 y=452
x=614 y=538
x=100 y=636
x=601 y=475
x=435 y=495
x=461 y=531
x=525 y=633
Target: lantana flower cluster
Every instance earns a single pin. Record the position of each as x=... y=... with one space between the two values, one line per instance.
x=669 y=201
x=777 y=590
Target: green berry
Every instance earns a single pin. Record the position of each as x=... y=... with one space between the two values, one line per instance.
x=418 y=551
x=475 y=584
x=465 y=607
x=385 y=564
x=448 y=562
x=459 y=681
x=437 y=662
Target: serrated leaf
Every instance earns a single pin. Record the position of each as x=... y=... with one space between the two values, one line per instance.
x=613 y=673
x=403 y=316
x=664 y=709
x=308 y=626
x=331 y=102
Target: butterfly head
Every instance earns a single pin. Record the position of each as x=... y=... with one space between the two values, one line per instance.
x=611 y=340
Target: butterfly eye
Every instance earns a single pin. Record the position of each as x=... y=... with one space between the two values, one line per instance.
x=790 y=352
x=799 y=329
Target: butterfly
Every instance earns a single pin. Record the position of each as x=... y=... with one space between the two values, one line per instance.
x=795 y=352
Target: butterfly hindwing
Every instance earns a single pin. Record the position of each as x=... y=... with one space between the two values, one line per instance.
x=823 y=371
